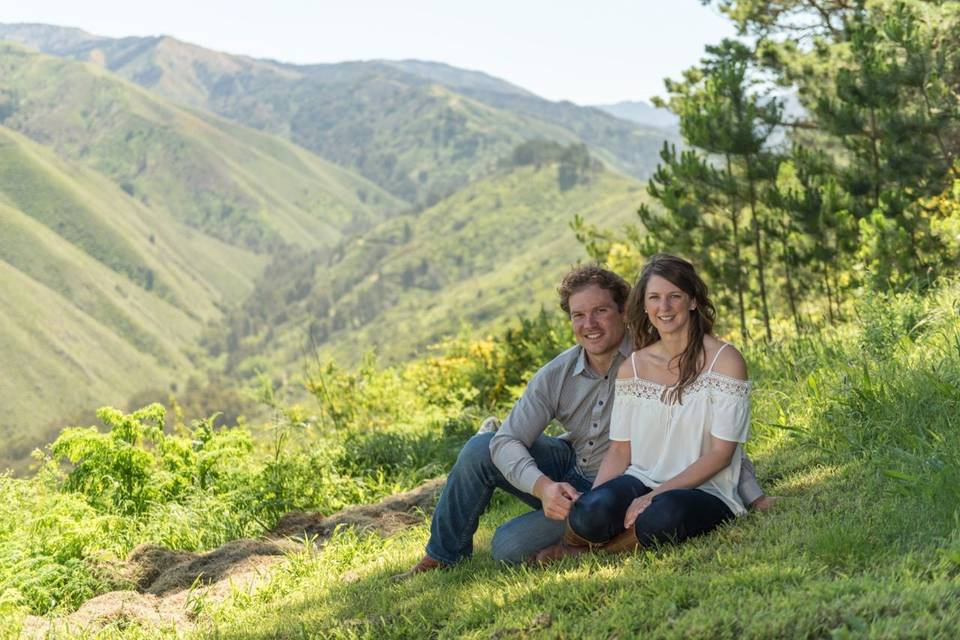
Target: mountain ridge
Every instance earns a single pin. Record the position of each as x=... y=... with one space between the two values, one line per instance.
x=266 y=242
x=385 y=119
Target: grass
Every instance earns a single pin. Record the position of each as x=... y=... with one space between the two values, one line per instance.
x=854 y=427
x=800 y=572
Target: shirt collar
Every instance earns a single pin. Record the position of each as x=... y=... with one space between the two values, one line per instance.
x=625 y=349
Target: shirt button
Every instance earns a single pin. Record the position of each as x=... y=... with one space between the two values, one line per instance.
x=590 y=443
x=583 y=459
x=601 y=402
x=607 y=377
x=595 y=425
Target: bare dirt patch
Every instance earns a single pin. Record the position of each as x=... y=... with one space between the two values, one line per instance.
x=386 y=517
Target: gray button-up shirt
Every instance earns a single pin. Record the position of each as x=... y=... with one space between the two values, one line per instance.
x=569 y=391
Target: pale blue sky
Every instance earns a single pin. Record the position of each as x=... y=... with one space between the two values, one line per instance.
x=589 y=52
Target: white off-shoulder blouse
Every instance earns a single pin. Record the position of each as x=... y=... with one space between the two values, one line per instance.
x=666 y=437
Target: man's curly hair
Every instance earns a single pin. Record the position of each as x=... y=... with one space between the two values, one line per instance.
x=585 y=275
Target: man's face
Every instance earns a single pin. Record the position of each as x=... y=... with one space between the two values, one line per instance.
x=597 y=323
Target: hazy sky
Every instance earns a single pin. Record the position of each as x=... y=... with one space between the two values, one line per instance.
x=588 y=52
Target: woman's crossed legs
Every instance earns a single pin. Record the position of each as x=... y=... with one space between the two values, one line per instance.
x=673 y=516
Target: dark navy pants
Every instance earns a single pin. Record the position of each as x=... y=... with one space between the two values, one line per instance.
x=673 y=516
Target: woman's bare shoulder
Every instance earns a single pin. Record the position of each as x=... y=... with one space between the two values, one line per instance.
x=730 y=363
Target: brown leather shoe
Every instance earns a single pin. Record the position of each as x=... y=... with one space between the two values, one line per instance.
x=626 y=541
x=426 y=564
x=571 y=545
x=555 y=552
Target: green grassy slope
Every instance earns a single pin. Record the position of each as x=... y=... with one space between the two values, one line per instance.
x=856 y=428
x=419 y=129
x=101 y=295
x=149 y=220
x=493 y=250
x=58 y=358
x=238 y=185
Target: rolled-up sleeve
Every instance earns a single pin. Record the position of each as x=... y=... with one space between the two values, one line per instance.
x=529 y=417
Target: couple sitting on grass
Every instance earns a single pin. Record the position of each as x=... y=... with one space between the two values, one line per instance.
x=656 y=411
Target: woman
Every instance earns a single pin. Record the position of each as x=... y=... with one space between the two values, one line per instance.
x=681 y=413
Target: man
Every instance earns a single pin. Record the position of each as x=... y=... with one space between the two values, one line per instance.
x=576 y=389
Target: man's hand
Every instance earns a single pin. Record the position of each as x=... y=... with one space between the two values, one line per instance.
x=636 y=507
x=556 y=497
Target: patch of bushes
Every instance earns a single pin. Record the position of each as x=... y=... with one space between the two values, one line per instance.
x=140 y=477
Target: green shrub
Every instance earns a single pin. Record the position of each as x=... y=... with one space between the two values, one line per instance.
x=54 y=548
x=886 y=318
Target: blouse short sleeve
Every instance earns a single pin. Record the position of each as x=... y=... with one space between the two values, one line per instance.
x=620 y=415
x=731 y=410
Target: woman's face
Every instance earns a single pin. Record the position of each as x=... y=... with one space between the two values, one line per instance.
x=667 y=306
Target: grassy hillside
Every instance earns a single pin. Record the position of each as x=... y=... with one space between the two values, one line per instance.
x=140 y=221
x=492 y=251
x=240 y=186
x=102 y=296
x=419 y=129
x=854 y=426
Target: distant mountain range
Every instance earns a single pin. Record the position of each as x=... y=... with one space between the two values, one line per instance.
x=420 y=130
x=169 y=212
x=643 y=114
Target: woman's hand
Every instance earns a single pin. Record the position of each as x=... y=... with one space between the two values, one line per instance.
x=636 y=508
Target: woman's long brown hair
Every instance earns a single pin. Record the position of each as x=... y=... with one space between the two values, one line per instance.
x=681 y=274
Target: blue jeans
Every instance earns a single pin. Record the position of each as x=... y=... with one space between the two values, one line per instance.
x=468 y=491
x=673 y=516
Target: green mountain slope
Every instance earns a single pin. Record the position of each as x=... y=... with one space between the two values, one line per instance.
x=493 y=250
x=146 y=224
x=238 y=185
x=129 y=225
x=96 y=304
x=419 y=129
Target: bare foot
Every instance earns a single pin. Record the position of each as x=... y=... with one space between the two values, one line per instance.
x=554 y=553
x=765 y=503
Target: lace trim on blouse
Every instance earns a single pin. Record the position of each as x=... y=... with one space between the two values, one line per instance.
x=710 y=381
